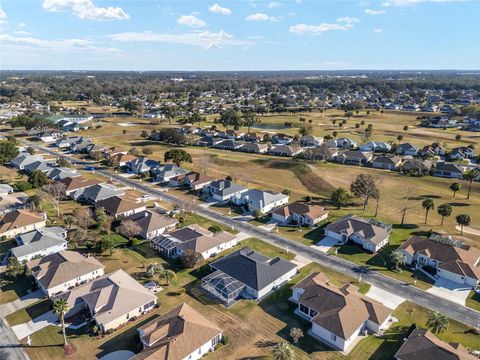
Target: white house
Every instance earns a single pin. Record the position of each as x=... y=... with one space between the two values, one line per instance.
x=223 y=190
x=21 y=221
x=263 y=200
x=39 y=243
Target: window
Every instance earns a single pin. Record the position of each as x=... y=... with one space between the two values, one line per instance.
x=334 y=337
x=128 y=316
x=304 y=309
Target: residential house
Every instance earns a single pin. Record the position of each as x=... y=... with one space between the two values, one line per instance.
x=354 y=157
x=121 y=207
x=431 y=150
x=370 y=234
x=232 y=134
x=43 y=166
x=263 y=200
x=5 y=189
x=122 y=159
x=285 y=150
x=462 y=153
x=387 y=162
x=229 y=145
x=153 y=224
x=449 y=170
x=66 y=142
x=375 y=146
x=21 y=221
x=111 y=300
x=193 y=238
x=11 y=202
x=197 y=181
x=223 y=190
x=342 y=143
x=181 y=333
x=83 y=145
x=453 y=260
x=166 y=172
x=406 y=149
x=338 y=315
x=254 y=137
x=300 y=214
x=141 y=165
x=39 y=243
x=96 y=193
x=422 y=344
x=416 y=167
x=61 y=271
x=247 y=274
x=24 y=159
x=49 y=136
x=282 y=139
x=74 y=184
x=254 y=148
x=60 y=173
x=310 y=140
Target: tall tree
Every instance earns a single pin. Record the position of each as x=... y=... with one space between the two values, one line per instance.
x=129 y=229
x=230 y=117
x=444 y=210
x=177 y=156
x=54 y=193
x=397 y=259
x=427 y=205
x=8 y=151
x=340 y=197
x=471 y=176
x=365 y=187
x=463 y=220
x=60 y=307
x=37 y=179
x=249 y=119
x=437 y=322
x=455 y=187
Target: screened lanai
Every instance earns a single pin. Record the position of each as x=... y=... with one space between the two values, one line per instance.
x=223 y=286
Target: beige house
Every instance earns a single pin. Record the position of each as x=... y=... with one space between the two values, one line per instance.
x=11 y=202
x=112 y=299
x=153 y=224
x=180 y=334
x=339 y=316
x=64 y=270
x=120 y=207
x=21 y=221
x=77 y=183
x=301 y=214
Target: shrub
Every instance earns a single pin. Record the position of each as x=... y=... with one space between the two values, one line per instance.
x=22 y=186
x=474 y=331
x=225 y=340
x=257 y=214
x=215 y=229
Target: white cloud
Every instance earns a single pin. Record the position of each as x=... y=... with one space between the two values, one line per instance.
x=21 y=32
x=374 y=12
x=378 y=31
x=190 y=20
x=205 y=39
x=3 y=15
x=85 y=9
x=413 y=2
x=215 y=8
x=53 y=44
x=348 y=20
x=273 y=4
x=261 y=17
x=317 y=29
x=21 y=24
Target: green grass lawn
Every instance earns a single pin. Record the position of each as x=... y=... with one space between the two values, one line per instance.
x=29 y=313
x=303 y=235
x=193 y=218
x=473 y=300
x=13 y=289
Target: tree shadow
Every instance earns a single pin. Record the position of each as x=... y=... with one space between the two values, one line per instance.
x=458 y=204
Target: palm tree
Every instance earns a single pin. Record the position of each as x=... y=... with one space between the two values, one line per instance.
x=444 y=210
x=455 y=187
x=427 y=205
x=155 y=270
x=470 y=177
x=397 y=259
x=463 y=220
x=282 y=351
x=60 y=307
x=437 y=322
x=296 y=334
x=168 y=275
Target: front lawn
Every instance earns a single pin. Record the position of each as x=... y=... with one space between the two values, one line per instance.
x=473 y=300
x=29 y=313
x=13 y=289
x=193 y=218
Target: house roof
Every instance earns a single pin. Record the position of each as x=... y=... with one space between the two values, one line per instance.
x=59 y=173
x=150 y=221
x=9 y=201
x=118 y=205
x=393 y=160
x=261 y=198
x=351 y=224
x=312 y=211
x=78 y=182
x=196 y=178
x=340 y=310
x=452 y=258
x=19 y=218
x=176 y=334
x=451 y=167
x=225 y=187
x=123 y=158
x=58 y=268
x=110 y=296
x=252 y=268
x=99 y=192
x=356 y=154
x=422 y=344
x=40 y=239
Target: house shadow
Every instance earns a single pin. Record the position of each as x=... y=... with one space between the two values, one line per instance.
x=390 y=345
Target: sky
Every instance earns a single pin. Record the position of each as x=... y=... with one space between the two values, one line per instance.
x=239 y=35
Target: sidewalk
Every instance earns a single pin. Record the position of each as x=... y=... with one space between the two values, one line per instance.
x=26 y=329
x=27 y=300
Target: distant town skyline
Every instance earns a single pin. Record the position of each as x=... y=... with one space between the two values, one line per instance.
x=239 y=35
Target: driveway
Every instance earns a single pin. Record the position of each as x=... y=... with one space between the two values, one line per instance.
x=386 y=298
x=450 y=290
x=26 y=329
x=325 y=244
x=27 y=300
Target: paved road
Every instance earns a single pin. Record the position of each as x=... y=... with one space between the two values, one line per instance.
x=418 y=296
x=9 y=346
